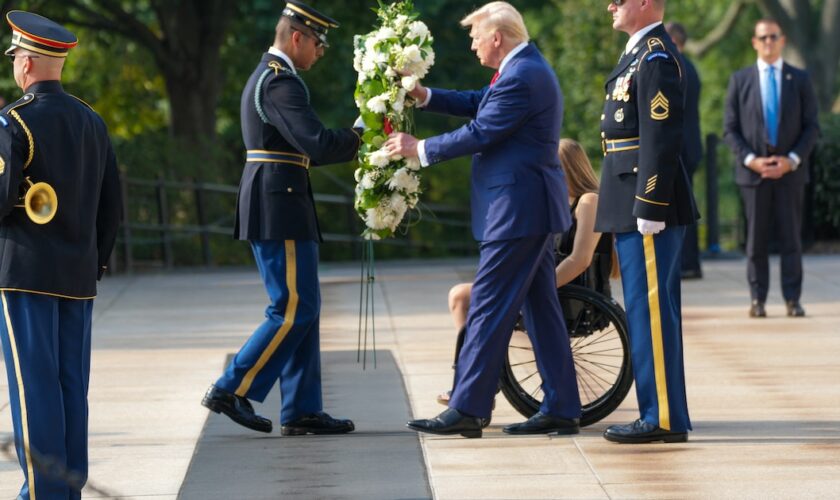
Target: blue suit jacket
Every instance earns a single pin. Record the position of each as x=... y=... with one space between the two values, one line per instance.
x=517 y=186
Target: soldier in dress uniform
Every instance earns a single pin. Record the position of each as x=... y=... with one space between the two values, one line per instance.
x=646 y=201
x=276 y=213
x=56 y=240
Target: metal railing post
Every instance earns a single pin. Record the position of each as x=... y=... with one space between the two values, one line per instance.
x=163 y=220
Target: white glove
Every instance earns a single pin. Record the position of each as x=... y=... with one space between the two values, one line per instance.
x=359 y=123
x=649 y=226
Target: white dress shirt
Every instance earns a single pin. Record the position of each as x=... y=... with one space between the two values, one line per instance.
x=638 y=36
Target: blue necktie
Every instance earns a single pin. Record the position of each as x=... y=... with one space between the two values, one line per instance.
x=771 y=107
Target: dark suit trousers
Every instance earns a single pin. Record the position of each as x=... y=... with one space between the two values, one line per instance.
x=763 y=204
x=515 y=275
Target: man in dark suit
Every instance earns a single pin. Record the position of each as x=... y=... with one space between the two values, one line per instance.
x=518 y=201
x=276 y=213
x=56 y=243
x=771 y=125
x=692 y=148
x=646 y=201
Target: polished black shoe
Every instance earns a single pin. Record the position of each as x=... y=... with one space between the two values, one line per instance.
x=642 y=432
x=451 y=421
x=236 y=407
x=691 y=274
x=317 y=423
x=541 y=423
x=794 y=309
x=757 y=309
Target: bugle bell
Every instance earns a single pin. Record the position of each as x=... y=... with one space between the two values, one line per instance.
x=39 y=200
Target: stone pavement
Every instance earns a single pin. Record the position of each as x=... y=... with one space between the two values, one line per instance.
x=764 y=396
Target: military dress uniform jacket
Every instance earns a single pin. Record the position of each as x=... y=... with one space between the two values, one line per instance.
x=641 y=129
x=58 y=139
x=284 y=137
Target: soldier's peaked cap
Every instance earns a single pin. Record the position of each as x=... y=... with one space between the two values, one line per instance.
x=304 y=14
x=39 y=34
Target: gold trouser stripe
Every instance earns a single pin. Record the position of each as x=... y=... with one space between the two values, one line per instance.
x=656 y=333
x=288 y=321
x=24 y=419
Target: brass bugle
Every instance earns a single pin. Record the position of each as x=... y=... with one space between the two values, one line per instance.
x=39 y=200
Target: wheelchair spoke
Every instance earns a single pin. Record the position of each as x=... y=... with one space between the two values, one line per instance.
x=521 y=381
x=523 y=363
x=595 y=378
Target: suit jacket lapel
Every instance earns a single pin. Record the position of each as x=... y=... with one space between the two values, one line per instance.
x=526 y=52
x=787 y=92
x=755 y=93
x=623 y=63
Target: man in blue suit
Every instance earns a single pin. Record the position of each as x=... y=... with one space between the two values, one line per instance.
x=518 y=202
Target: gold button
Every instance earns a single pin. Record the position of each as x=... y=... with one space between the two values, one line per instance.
x=635 y=169
x=603 y=135
x=289 y=189
x=607 y=98
x=603 y=116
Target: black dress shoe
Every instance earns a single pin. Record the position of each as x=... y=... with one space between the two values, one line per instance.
x=236 y=407
x=642 y=432
x=451 y=421
x=691 y=274
x=317 y=423
x=757 y=309
x=541 y=423
x=794 y=309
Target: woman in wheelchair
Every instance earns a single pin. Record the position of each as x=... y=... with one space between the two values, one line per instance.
x=584 y=257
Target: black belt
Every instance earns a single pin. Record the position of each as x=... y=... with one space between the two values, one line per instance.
x=262 y=156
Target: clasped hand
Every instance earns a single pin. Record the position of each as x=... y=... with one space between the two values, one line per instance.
x=772 y=167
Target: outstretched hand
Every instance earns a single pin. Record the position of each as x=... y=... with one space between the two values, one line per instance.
x=401 y=144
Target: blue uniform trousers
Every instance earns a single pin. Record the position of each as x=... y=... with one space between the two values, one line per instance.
x=286 y=346
x=515 y=275
x=46 y=345
x=650 y=275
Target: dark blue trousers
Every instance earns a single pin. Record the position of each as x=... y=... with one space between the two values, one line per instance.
x=286 y=346
x=513 y=276
x=650 y=275
x=46 y=345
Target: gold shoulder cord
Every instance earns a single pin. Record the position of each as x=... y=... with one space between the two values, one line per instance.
x=29 y=137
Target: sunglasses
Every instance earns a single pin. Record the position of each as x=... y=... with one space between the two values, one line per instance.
x=318 y=42
x=773 y=37
x=13 y=55
x=618 y=3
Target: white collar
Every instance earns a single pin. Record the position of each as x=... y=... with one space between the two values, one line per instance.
x=510 y=55
x=762 y=66
x=282 y=55
x=637 y=36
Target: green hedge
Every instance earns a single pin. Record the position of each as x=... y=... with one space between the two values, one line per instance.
x=826 y=181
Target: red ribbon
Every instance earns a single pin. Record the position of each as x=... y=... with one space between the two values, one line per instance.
x=386 y=124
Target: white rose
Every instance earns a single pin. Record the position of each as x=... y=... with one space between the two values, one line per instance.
x=411 y=54
x=417 y=29
x=404 y=180
x=398 y=103
x=357 y=175
x=390 y=73
x=400 y=21
x=385 y=33
x=412 y=163
x=379 y=103
x=368 y=181
x=409 y=82
x=379 y=158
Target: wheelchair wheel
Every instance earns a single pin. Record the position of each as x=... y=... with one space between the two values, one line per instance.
x=597 y=330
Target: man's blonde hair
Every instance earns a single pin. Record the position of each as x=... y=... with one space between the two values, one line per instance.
x=498 y=16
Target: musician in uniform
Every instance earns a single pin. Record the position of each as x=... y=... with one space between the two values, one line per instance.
x=55 y=242
x=646 y=201
x=276 y=214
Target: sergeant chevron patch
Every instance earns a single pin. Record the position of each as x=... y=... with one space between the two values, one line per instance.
x=660 y=107
x=651 y=184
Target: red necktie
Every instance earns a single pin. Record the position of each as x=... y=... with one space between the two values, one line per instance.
x=495 y=77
